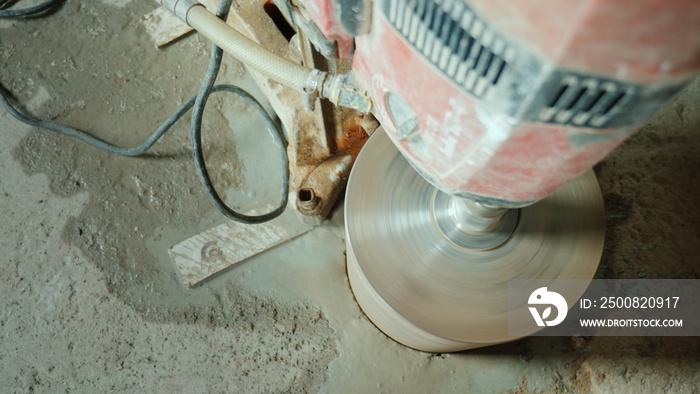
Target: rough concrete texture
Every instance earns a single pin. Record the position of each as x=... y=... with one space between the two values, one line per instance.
x=90 y=301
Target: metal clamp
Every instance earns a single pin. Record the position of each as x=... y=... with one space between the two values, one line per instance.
x=179 y=7
x=311 y=89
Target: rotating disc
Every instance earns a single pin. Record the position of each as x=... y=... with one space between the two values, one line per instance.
x=432 y=294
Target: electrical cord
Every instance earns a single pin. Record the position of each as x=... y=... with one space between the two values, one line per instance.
x=26 y=12
x=198 y=154
x=94 y=141
x=198 y=104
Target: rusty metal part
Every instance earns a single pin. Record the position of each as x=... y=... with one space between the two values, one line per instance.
x=429 y=293
x=324 y=142
x=321 y=188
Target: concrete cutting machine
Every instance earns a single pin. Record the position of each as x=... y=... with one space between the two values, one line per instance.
x=485 y=117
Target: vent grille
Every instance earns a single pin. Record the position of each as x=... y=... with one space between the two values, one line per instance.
x=454 y=39
x=585 y=101
x=482 y=62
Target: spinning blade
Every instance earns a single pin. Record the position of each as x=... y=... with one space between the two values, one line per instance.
x=431 y=294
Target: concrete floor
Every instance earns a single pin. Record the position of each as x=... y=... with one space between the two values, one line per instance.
x=90 y=301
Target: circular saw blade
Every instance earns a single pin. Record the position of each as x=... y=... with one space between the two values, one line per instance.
x=432 y=294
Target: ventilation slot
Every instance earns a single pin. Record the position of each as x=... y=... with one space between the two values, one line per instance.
x=454 y=39
x=584 y=102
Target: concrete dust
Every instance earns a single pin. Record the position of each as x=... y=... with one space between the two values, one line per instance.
x=131 y=197
x=90 y=301
x=103 y=75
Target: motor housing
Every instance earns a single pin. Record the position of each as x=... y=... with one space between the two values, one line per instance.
x=504 y=102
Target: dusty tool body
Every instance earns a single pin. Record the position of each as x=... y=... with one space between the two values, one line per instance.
x=492 y=114
x=495 y=104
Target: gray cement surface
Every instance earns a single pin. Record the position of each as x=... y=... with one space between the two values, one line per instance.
x=90 y=301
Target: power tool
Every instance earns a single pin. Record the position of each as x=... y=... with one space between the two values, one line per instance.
x=492 y=114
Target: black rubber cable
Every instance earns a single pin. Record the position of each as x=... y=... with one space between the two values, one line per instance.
x=198 y=102
x=94 y=141
x=196 y=135
x=29 y=11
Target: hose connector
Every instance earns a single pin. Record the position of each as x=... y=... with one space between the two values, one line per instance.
x=180 y=8
x=344 y=90
x=314 y=84
x=340 y=89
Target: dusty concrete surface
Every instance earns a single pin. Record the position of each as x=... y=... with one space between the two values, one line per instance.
x=90 y=302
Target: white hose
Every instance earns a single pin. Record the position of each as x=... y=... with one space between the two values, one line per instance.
x=246 y=51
